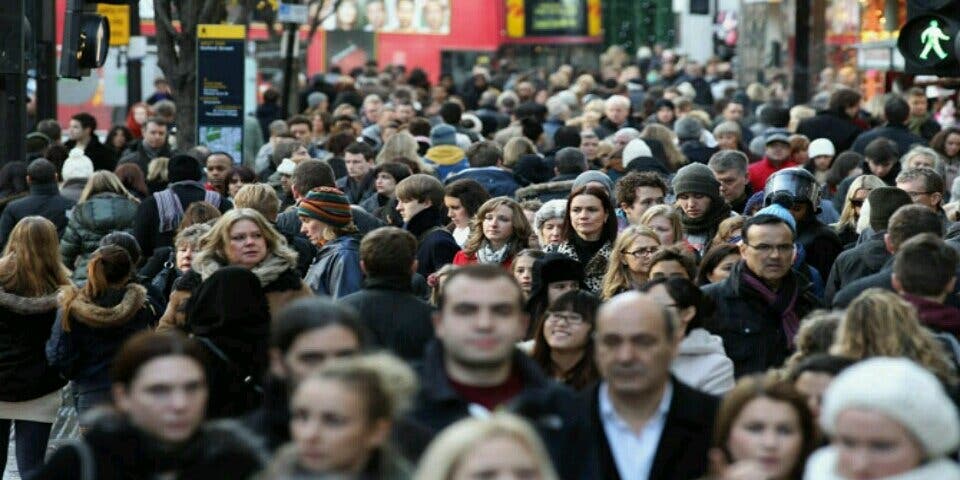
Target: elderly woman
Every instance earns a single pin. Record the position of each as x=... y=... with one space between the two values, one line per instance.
x=903 y=427
x=241 y=237
x=548 y=222
x=186 y=244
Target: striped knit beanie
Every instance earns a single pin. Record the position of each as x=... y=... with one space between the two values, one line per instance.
x=328 y=205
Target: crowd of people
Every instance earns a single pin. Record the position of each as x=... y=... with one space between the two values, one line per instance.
x=645 y=272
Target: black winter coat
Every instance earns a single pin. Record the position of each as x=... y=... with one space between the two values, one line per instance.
x=24 y=329
x=686 y=438
x=98 y=328
x=899 y=134
x=103 y=158
x=146 y=227
x=752 y=332
x=121 y=451
x=859 y=262
x=398 y=320
x=841 y=131
x=44 y=200
x=435 y=245
x=821 y=244
x=552 y=408
x=697 y=152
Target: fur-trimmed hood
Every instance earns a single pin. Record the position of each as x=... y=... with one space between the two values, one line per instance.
x=536 y=190
x=269 y=269
x=28 y=305
x=93 y=315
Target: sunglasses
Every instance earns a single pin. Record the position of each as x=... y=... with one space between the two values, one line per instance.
x=856 y=203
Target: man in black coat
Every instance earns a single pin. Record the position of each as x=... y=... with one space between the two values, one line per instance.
x=81 y=135
x=153 y=145
x=397 y=319
x=906 y=222
x=638 y=394
x=44 y=200
x=870 y=256
x=474 y=366
x=420 y=201
x=836 y=122
x=158 y=216
x=896 y=111
x=759 y=306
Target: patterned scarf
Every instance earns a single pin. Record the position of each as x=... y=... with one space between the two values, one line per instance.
x=783 y=302
x=486 y=253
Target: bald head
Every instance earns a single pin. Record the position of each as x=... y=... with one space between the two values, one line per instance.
x=635 y=345
x=631 y=305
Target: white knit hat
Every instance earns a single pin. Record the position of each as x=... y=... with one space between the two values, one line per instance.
x=286 y=167
x=819 y=147
x=901 y=390
x=77 y=165
x=635 y=149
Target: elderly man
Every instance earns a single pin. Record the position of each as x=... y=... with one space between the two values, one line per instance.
x=645 y=424
x=616 y=115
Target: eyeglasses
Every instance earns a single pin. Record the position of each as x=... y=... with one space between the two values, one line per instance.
x=914 y=195
x=856 y=203
x=765 y=249
x=642 y=252
x=570 y=318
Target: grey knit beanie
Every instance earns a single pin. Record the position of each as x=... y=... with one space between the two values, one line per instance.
x=696 y=178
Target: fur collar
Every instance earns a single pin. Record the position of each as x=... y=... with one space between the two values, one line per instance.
x=268 y=270
x=85 y=311
x=822 y=465
x=27 y=305
x=533 y=191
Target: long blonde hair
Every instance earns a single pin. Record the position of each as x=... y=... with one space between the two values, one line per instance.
x=667 y=138
x=215 y=242
x=104 y=181
x=618 y=277
x=521 y=227
x=848 y=214
x=31 y=264
x=445 y=454
x=879 y=323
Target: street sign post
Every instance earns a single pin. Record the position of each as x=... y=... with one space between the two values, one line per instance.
x=221 y=50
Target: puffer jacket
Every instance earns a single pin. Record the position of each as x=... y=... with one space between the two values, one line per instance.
x=100 y=215
x=24 y=329
x=98 y=327
x=702 y=363
x=336 y=271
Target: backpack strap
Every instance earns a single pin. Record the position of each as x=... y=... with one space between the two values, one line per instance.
x=212 y=197
x=169 y=208
x=247 y=379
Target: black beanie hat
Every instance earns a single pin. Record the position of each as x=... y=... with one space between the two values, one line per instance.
x=883 y=202
x=183 y=167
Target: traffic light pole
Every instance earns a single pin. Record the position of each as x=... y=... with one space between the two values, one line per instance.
x=13 y=83
x=134 y=65
x=290 y=33
x=44 y=26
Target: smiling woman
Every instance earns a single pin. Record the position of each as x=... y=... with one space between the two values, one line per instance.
x=562 y=345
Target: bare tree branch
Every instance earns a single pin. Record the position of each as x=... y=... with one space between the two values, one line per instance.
x=161 y=11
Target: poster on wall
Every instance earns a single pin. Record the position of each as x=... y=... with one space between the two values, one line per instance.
x=348 y=50
x=430 y=17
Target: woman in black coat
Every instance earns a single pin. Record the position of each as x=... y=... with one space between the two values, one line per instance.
x=230 y=317
x=30 y=275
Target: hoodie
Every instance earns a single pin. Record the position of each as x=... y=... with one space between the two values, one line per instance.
x=703 y=364
x=448 y=159
x=935 y=315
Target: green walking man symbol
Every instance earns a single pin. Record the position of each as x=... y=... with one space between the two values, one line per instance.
x=931 y=38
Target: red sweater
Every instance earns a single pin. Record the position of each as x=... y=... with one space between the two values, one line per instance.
x=463 y=258
x=761 y=171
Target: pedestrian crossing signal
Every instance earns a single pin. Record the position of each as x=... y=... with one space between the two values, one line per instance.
x=930 y=40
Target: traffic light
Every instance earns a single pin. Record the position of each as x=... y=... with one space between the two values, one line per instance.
x=86 y=39
x=930 y=40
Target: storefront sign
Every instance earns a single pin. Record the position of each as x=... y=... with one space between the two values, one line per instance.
x=545 y=18
x=220 y=75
